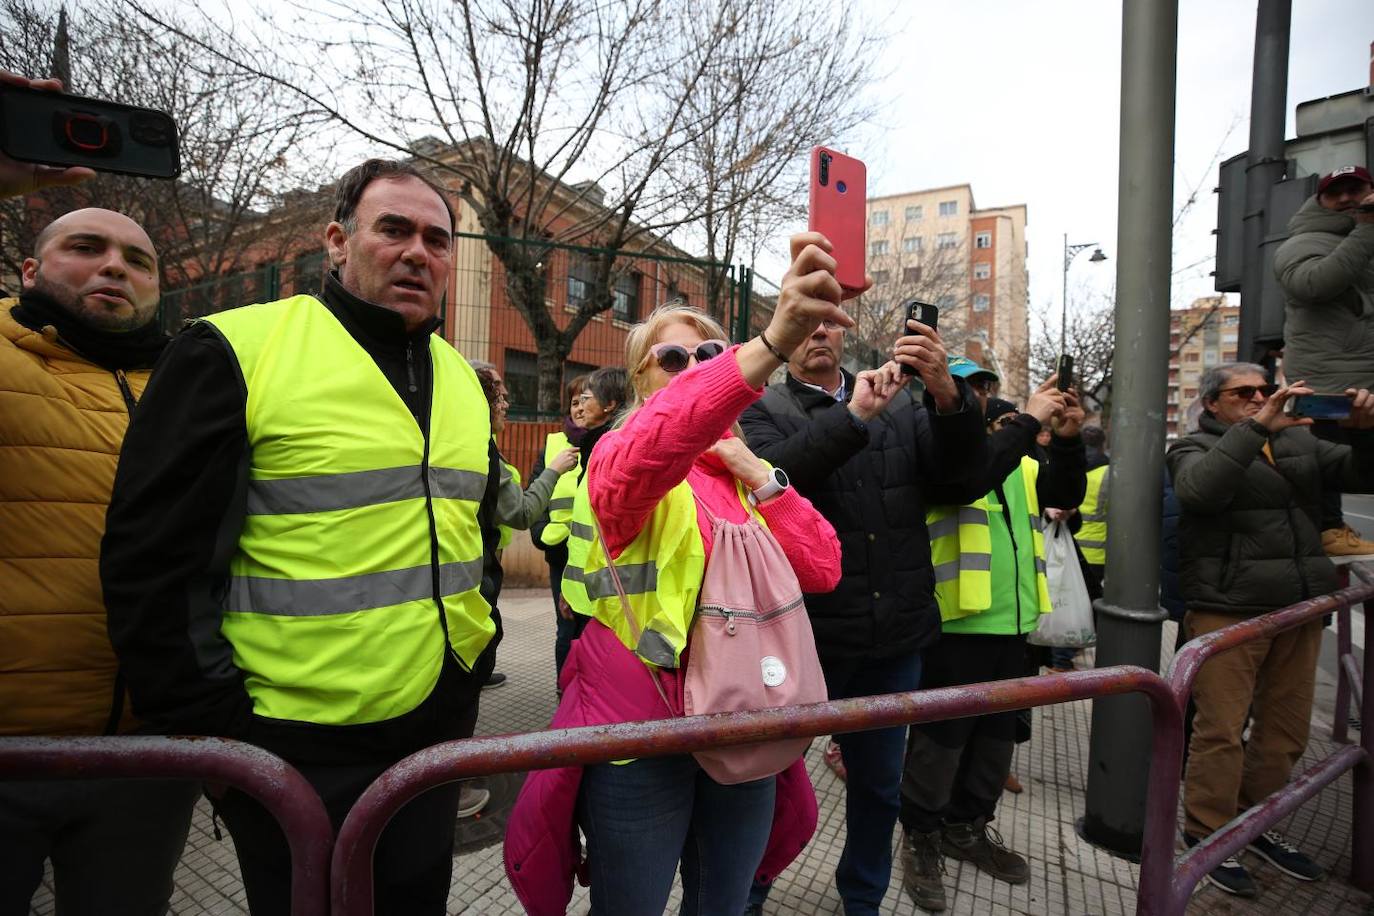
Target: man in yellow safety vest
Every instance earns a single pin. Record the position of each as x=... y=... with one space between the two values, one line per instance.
x=293 y=555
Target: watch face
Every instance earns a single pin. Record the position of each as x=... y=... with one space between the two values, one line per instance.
x=780 y=477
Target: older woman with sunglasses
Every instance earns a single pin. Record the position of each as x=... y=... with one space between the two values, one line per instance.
x=644 y=818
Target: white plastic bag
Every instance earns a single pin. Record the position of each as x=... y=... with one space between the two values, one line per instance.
x=1070 y=624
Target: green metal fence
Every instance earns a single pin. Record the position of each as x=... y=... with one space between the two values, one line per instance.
x=482 y=323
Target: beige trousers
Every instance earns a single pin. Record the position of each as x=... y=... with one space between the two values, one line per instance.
x=1269 y=681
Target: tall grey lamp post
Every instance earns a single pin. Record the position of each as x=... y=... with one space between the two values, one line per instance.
x=1071 y=252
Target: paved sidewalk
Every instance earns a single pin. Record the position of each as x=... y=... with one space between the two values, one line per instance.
x=1068 y=875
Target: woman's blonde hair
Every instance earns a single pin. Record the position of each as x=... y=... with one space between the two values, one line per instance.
x=645 y=334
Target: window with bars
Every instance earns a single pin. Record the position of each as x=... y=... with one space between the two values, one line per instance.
x=579 y=281
x=625 y=297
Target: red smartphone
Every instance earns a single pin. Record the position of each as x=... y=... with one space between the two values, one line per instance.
x=838 y=201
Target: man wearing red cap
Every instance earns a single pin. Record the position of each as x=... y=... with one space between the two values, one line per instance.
x=1326 y=270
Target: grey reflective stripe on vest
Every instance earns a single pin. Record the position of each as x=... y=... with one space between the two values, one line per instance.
x=330 y=492
x=967 y=515
x=638 y=579
x=563 y=502
x=579 y=530
x=1091 y=545
x=1039 y=565
x=974 y=562
x=1037 y=523
x=319 y=597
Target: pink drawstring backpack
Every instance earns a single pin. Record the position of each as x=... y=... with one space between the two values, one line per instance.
x=750 y=647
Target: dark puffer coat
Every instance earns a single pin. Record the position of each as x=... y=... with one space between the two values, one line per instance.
x=1250 y=531
x=873 y=482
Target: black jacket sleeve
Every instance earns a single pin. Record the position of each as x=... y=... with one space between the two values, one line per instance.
x=950 y=450
x=179 y=501
x=811 y=454
x=1063 y=480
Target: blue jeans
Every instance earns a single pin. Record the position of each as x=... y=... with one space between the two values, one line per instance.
x=873 y=790
x=643 y=818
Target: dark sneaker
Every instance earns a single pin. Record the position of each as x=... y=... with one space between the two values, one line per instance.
x=1230 y=875
x=922 y=870
x=982 y=845
x=495 y=679
x=1286 y=857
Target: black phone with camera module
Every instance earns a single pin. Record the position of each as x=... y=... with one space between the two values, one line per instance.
x=1065 y=372
x=53 y=128
x=924 y=312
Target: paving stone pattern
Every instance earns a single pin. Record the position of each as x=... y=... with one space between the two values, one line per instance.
x=1067 y=875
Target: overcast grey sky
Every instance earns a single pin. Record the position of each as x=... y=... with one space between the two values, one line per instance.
x=1021 y=100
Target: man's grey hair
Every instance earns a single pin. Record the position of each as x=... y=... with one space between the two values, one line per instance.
x=1215 y=378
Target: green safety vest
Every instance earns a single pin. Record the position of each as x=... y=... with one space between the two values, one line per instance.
x=561 y=503
x=336 y=610
x=1092 y=537
x=961 y=547
x=661 y=569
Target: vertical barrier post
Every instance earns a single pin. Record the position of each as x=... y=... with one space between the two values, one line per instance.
x=1362 y=811
x=1341 y=717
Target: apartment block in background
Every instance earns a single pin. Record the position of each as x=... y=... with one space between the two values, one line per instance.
x=1200 y=337
x=937 y=245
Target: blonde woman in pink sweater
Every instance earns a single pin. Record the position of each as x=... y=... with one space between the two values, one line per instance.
x=646 y=818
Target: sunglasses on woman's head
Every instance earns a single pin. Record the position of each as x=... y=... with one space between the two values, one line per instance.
x=1246 y=392
x=673 y=358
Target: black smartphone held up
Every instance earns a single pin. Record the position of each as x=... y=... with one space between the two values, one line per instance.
x=1319 y=406
x=53 y=128
x=1065 y=371
x=924 y=312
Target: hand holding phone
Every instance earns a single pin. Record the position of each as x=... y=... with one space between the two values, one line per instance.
x=1065 y=372
x=924 y=312
x=41 y=126
x=838 y=210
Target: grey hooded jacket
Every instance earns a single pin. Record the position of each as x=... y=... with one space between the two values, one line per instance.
x=1326 y=271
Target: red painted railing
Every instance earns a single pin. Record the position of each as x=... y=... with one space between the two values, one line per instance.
x=351 y=873
x=266 y=777
x=1166 y=884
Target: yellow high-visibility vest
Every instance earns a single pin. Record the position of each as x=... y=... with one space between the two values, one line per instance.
x=561 y=503
x=961 y=547
x=337 y=611
x=1092 y=537
x=661 y=570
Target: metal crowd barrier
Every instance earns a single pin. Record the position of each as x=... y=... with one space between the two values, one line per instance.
x=346 y=881
x=278 y=786
x=1165 y=883
x=351 y=871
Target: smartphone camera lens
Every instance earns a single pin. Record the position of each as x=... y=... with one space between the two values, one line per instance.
x=86 y=133
x=825 y=169
x=841 y=187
